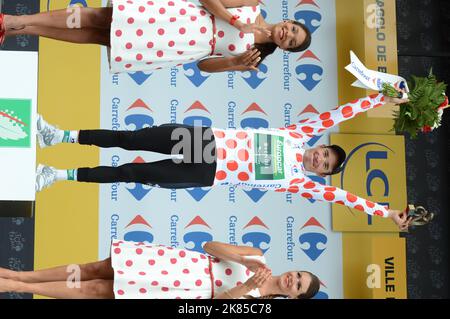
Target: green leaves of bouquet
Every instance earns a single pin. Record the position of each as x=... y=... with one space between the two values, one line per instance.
x=421 y=113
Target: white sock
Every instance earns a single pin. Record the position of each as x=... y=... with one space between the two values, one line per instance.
x=66 y=174
x=69 y=137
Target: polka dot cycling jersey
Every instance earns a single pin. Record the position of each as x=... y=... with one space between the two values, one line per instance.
x=151 y=35
x=272 y=159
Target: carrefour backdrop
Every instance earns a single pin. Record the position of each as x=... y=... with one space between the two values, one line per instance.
x=294 y=233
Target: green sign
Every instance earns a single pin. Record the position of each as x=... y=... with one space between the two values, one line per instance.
x=269 y=157
x=15 y=123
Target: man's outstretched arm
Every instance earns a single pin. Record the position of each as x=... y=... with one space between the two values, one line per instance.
x=313 y=190
x=319 y=123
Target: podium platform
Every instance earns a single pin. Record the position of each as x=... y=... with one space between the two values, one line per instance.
x=18 y=107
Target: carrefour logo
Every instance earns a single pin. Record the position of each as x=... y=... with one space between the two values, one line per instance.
x=140 y=77
x=312 y=239
x=138 y=115
x=376 y=180
x=311 y=18
x=197 y=115
x=194 y=74
x=138 y=230
x=197 y=232
x=257 y=117
x=309 y=70
x=256 y=78
x=256 y=233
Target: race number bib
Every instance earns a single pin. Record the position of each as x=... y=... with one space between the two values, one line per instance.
x=269 y=157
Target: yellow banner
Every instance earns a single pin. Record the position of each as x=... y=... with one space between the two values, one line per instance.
x=374 y=170
x=387 y=272
x=374 y=266
x=381 y=43
x=369 y=30
x=66 y=228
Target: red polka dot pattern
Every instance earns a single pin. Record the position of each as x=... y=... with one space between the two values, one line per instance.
x=243 y=176
x=232 y=165
x=221 y=175
x=293 y=189
x=231 y=143
x=133 y=19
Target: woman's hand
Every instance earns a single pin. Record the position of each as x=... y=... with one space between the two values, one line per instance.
x=253 y=265
x=248 y=59
x=401 y=219
x=258 y=279
x=253 y=28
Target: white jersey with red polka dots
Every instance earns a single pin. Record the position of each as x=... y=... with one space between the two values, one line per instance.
x=151 y=35
x=272 y=159
x=144 y=270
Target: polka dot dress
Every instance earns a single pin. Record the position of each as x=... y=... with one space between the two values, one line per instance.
x=229 y=40
x=228 y=274
x=143 y=270
x=236 y=157
x=151 y=35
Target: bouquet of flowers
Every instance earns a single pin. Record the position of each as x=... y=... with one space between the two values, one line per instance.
x=423 y=112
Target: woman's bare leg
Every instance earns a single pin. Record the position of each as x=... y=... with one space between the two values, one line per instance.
x=82 y=36
x=92 y=289
x=70 y=18
x=91 y=271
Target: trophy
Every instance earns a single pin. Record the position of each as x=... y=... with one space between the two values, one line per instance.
x=420 y=216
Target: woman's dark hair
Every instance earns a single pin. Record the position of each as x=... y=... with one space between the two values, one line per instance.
x=313 y=288
x=269 y=48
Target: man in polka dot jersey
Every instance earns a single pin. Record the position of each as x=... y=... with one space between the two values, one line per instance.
x=266 y=159
x=276 y=159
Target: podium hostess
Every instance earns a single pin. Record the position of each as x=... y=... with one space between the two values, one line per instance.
x=18 y=106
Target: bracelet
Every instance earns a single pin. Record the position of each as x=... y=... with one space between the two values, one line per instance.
x=233 y=19
x=228 y=294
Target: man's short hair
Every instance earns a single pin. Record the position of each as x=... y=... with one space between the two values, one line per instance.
x=341 y=156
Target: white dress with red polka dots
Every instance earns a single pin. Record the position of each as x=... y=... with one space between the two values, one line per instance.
x=230 y=41
x=236 y=157
x=150 y=35
x=144 y=270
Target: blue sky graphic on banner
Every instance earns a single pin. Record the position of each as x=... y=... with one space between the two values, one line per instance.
x=294 y=233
